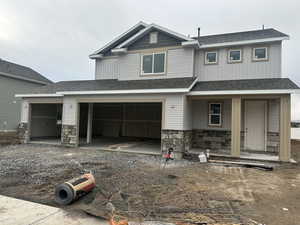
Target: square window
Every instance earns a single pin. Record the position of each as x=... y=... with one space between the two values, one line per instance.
x=260 y=54
x=211 y=57
x=215 y=114
x=235 y=55
x=153 y=63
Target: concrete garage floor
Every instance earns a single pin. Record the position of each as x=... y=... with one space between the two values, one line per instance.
x=124 y=144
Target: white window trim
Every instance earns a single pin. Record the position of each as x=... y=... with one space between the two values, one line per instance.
x=154 y=53
x=234 y=61
x=210 y=114
x=262 y=59
x=209 y=63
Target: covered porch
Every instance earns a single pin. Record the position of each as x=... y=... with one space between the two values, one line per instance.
x=244 y=126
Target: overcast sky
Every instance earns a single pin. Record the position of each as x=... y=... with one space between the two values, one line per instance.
x=55 y=37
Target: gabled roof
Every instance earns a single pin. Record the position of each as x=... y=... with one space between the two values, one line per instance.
x=124 y=36
x=133 y=34
x=241 y=36
x=148 y=29
x=113 y=86
x=17 y=71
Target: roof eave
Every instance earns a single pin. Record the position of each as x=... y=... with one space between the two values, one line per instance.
x=244 y=92
x=141 y=23
x=146 y=29
x=24 y=79
x=37 y=95
x=133 y=91
x=234 y=43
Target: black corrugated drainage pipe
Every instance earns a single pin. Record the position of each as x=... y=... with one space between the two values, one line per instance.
x=73 y=189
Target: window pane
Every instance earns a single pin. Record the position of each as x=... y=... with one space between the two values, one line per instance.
x=260 y=53
x=211 y=57
x=147 y=64
x=215 y=108
x=235 y=55
x=159 y=63
x=215 y=119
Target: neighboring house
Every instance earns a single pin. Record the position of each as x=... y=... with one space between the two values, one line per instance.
x=15 y=79
x=221 y=92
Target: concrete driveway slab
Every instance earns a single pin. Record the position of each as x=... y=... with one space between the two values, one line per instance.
x=19 y=212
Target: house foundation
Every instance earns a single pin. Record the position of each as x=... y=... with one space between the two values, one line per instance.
x=69 y=136
x=179 y=140
x=23 y=133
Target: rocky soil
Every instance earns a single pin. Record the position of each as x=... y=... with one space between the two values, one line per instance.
x=141 y=189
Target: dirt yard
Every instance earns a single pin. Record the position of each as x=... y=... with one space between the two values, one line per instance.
x=140 y=189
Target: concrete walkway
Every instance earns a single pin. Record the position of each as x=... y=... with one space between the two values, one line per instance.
x=18 y=212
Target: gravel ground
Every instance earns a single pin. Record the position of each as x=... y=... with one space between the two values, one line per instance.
x=184 y=192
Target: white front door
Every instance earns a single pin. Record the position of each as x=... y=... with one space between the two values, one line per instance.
x=255 y=125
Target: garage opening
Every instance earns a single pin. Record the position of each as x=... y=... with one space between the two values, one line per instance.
x=46 y=120
x=122 y=126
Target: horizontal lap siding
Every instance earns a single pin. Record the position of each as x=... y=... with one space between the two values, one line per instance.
x=10 y=107
x=107 y=69
x=273 y=119
x=200 y=114
x=180 y=63
x=247 y=69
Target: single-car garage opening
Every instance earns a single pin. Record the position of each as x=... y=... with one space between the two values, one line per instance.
x=122 y=126
x=45 y=123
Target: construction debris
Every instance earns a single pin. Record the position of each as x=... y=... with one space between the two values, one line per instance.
x=73 y=189
x=262 y=166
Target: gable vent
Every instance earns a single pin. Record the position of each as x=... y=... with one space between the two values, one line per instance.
x=153 y=37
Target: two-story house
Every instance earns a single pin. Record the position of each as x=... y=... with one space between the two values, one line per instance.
x=221 y=92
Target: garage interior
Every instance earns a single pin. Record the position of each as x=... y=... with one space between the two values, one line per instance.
x=134 y=127
x=46 y=120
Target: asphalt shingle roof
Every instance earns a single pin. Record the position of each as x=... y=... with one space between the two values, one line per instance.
x=113 y=84
x=20 y=71
x=241 y=36
x=247 y=84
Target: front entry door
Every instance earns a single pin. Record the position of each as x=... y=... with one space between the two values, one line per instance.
x=255 y=125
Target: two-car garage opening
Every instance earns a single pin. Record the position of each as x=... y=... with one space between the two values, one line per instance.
x=121 y=126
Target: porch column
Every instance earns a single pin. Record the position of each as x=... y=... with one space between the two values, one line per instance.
x=90 y=124
x=236 y=126
x=285 y=128
x=70 y=124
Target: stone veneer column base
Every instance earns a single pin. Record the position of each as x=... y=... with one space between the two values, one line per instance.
x=23 y=133
x=69 y=137
x=179 y=140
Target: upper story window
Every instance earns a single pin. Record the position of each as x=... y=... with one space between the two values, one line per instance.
x=154 y=63
x=215 y=114
x=211 y=57
x=234 y=55
x=153 y=37
x=260 y=54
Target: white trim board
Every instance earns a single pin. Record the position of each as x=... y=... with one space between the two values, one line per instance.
x=138 y=91
x=37 y=95
x=247 y=92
